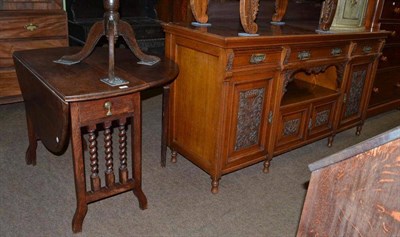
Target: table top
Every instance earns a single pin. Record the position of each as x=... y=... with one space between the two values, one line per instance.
x=81 y=81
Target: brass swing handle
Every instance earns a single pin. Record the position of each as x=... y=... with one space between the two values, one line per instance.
x=31 y=27
x=107 y=106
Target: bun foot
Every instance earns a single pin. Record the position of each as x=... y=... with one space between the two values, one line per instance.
x=267 y=163
x=174 y=154
x=214 y=186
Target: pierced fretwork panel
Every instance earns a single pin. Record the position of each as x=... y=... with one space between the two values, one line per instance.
x=355 y=93
x=291 y=127
x=101 y=139
x=249 y=117
x=322 y=118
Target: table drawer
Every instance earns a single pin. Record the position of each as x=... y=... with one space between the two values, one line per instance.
x=391 y=10
x=313 y=52
x=258 y=57
x=7 y=48
x=100 y=110
x=366 y=47
x=32 y=25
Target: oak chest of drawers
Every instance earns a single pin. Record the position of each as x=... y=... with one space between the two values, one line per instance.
x=27 y=25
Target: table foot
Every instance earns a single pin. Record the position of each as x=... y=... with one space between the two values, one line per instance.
x=79 y=215
x=141 y=197
x=30 y=155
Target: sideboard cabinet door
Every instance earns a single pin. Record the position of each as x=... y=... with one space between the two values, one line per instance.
x=248 y=119
x=356 y=95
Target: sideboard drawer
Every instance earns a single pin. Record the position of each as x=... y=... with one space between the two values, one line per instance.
x=313 y=52
x=101 y=109
x=7 y=48
x=366 y=47
x=259 y=57
x=32 y=25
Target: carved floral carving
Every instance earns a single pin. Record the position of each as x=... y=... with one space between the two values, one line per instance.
x=355 y=93
x=322 y=117
x=248 y=14
x=199 y=10
x=280 y=10
x=291 y=127
x=327 y=14
x=249 y=117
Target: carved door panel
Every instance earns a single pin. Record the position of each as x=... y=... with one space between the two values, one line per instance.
x=292 y=127
x=322 y=117
x=247 y=119
x=356 y=94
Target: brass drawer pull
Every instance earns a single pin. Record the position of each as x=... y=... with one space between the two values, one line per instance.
x=107 y=106
x=397 y=10
x=384 y=58
x=304 y=55
x=375 y=90
x=393 y=34
x=336 y=51
x=367 y=49
x=31 y=27
x=257 y=58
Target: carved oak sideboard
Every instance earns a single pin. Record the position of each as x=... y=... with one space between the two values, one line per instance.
x=241 y=100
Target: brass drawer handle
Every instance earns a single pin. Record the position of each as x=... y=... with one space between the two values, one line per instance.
x=384 y=58
x=257 y=58
x=107 y=106
x=397 y=10
x=336 y=51
x=31 y=27
x=304 y=55
x=367 y=49
x=393 y=34
x=375 y=90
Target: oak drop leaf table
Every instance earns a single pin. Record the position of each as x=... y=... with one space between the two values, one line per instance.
x=63 y=101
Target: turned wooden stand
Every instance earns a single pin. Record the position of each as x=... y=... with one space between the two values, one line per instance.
x=62 y=100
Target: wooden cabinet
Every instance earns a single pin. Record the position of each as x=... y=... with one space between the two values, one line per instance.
x=386 y=89
x=241 y=100
x=27 y=25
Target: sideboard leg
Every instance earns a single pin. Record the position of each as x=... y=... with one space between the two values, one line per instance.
x=30 y=155
x=330 y=140
x=358 y=131
x=267 y=163
x=214 y=185
x=174 y=154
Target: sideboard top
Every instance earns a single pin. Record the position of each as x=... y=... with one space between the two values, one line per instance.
x=226 y=34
